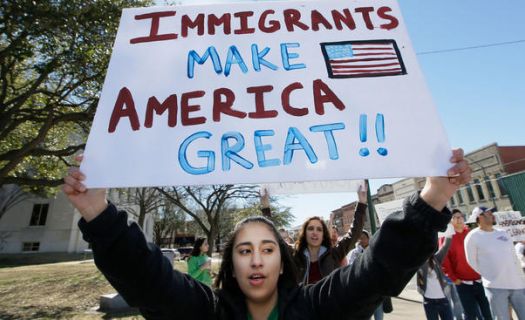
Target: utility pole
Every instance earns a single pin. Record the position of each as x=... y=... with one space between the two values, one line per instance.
x=371 y=209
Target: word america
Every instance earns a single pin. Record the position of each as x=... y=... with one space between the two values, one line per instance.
x=245 y=22
x=223 y=105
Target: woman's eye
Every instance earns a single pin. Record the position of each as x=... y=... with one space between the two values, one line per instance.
x=244 y=251
x=268 y=250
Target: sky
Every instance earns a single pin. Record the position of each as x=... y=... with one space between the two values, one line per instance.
x=479 y=93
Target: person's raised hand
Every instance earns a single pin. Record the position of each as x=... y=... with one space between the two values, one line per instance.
x=362 y=192
x=89 y=202
x=265 y=198
x=438 y=190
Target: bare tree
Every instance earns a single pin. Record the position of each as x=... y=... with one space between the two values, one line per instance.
x=10 y=196
x=140 y=202
x=210 y=201
x=167 y=221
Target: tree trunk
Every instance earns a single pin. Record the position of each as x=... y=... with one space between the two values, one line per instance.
x=212 y=235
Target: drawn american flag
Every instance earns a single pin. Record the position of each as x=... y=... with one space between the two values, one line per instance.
x=357 y=59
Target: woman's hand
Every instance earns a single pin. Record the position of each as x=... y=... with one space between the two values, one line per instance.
x=362 y=193
x=89 y=202
x=438 y=190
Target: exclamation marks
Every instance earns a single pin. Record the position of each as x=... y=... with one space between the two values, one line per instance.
x=380 y=134
x=363 y=152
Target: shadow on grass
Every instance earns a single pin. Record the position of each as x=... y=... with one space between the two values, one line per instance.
x=33 y=312
x=17 y=260
x=132 y=312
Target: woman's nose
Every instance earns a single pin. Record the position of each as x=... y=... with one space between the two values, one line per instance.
x=256 y=260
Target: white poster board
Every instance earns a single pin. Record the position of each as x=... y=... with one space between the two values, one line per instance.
x=263 y=92
x=512 y=222
x=383 y=210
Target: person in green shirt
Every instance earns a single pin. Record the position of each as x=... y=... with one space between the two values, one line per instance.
x=199 y=264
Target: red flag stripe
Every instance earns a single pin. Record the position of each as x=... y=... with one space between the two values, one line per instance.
x=368 y=66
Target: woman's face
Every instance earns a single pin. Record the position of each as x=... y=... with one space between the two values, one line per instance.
x=257 y=262
x=314 y=233
x=204 y=247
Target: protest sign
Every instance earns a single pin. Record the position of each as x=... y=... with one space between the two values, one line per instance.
x=512 y=222
x=263 y=92
x=383 y=210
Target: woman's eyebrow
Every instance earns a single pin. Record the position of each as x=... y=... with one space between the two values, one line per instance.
x=246 y=243
x=249 y=243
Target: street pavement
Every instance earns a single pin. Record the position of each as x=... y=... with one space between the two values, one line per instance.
x=408 y=305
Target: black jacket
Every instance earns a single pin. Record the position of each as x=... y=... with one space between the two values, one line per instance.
x=146 y=280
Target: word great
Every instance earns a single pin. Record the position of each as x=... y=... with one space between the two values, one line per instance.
x=295 y=140
x=223 y=105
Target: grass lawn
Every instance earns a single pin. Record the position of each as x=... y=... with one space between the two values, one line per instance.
x=65 y=290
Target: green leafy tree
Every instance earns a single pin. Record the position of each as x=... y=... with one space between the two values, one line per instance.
x=53 y=59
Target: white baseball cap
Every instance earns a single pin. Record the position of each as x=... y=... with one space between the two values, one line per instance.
x=477 y=211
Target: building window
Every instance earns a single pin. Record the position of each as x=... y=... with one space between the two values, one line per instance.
x=501 y=185
x=479 y=189
x=452 y=201
x=30 y=246
x=492 y=194
x=470 y=194
x=460 y=197
x=39 y=215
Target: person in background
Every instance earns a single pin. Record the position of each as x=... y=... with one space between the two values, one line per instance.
x=335 y=238
x=199 y=264
x=286 y=236
x=431 y=283
x=361 y=245
x=491 y=253
x=519 y=247
x=466 y=280
x=314 y=254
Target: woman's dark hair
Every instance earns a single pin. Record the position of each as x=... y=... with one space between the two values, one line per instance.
x=197 y=247
x=225 y=279
x=301 y=243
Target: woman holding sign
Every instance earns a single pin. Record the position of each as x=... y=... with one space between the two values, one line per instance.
x=256 y=279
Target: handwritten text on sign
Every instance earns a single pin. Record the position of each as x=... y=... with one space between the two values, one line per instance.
x=513 y=223
x=263 y=92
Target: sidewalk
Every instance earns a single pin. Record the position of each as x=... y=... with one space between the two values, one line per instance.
x=408 y=305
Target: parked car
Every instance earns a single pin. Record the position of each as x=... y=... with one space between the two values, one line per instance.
x=171 y=254
x=185 y=252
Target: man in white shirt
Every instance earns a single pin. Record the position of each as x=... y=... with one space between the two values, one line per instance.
x=491 y=253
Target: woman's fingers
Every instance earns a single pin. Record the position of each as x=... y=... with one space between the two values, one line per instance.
x=457 y=155
x=460 y=173
x=74 y=184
